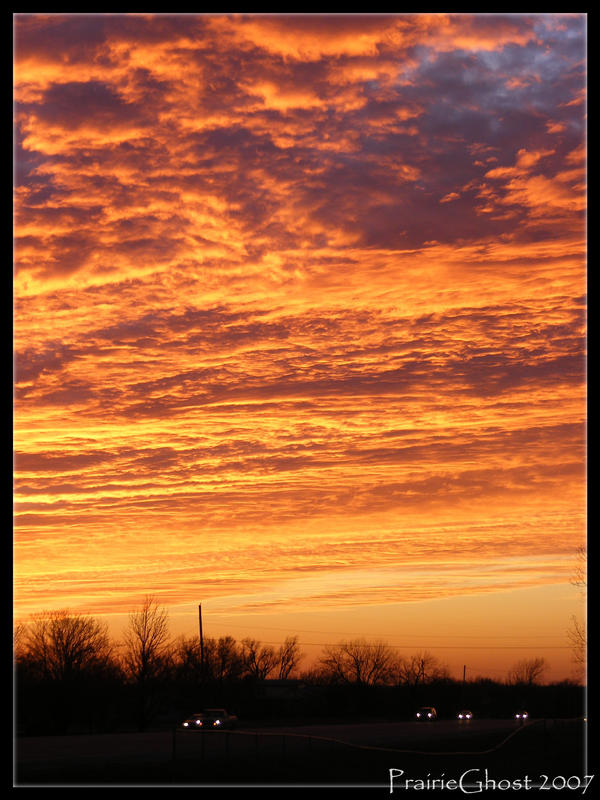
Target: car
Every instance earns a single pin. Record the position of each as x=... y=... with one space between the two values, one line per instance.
x=522 y=715
x=193 y=722
x=210 y=719
x=465 y=714
x=426 y=713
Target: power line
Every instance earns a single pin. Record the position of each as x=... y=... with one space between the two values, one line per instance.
x=441 y=646
x=345 y=633
x=504 y=671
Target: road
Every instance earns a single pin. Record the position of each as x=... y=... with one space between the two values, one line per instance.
x=40 y=750
x=163 y=756
x=410 y=735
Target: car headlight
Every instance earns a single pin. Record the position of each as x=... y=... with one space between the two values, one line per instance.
x=186 y=724
x=430 y=714
x=198 y=722
x=217 y=722
x=460 y=716
x=418 y=714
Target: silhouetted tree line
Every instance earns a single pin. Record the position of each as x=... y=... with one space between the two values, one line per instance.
x=71 y=677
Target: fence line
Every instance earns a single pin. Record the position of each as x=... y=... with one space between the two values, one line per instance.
x=312 y=738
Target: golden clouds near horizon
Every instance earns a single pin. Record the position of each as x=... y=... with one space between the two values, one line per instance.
x=299 y=301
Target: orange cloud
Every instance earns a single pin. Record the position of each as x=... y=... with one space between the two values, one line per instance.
x=297 y=299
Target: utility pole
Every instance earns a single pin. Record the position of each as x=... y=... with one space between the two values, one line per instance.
x=201 y=637
x=464 y=674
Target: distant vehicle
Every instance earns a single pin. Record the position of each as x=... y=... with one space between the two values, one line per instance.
x=522 y=715
x=193 y=722
x=426 y=713
x=465 y=714
x=210 y=719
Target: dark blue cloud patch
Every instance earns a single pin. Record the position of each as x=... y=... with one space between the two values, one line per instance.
x=75 y=105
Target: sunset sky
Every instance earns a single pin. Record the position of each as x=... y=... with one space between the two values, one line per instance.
x=300 y=326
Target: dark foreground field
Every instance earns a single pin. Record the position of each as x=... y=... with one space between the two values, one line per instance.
x=323 y=755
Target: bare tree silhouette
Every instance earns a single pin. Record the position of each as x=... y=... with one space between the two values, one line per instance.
x=146 y=654
x=19 y=641
x=288 y=657
x=578 y=638
x=422 y=667
x=580 y=573
x=259 y=660
x=577 y=632
x=228 y=662
x=188 y=658
x=61 y=644
x=64 y=652
x=358 y=662
x=528 y=671
x=223 y=659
